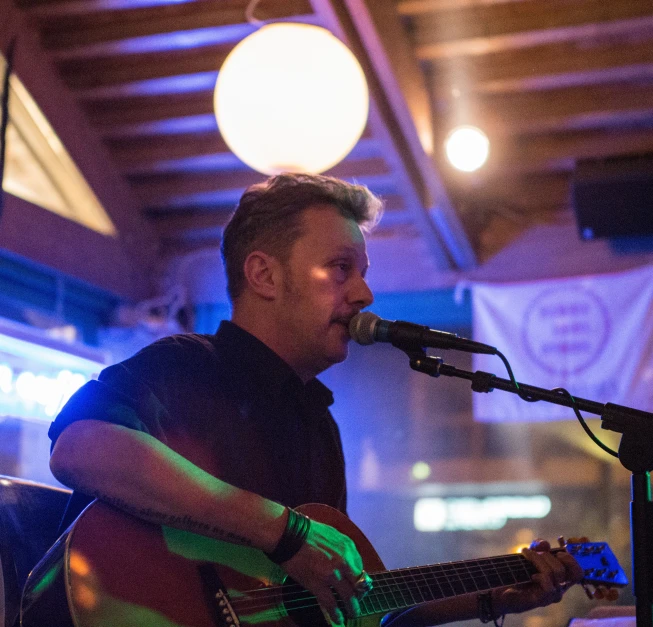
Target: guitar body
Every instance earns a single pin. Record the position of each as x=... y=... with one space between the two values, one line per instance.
x=114 y=570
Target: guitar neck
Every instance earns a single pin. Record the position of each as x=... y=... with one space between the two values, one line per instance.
x=406 y=587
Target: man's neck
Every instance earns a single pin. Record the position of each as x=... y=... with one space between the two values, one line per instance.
x=263 y=330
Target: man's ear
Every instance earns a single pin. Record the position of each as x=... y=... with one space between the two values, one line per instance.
x=262 y=274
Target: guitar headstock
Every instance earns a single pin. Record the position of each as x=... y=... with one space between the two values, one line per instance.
x=599 y=564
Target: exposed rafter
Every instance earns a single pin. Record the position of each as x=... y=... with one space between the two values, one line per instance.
x=552 y=81
x=391 y=119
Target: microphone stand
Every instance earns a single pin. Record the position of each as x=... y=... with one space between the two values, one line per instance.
x=635 y=454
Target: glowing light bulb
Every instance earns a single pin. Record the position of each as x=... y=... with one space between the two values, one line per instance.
x=467 y=148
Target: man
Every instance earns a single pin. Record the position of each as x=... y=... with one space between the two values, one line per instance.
x=223 y=434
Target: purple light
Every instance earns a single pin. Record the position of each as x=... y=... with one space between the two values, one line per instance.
x=73 y=7
x=180 y=40
x=186 y=83
x=204 y=163
x=188 y=124
x=227 y=197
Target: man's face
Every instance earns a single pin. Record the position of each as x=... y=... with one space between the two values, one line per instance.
x=323 y=287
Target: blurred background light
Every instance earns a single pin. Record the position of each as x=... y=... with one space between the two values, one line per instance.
x=291 y=98
x=36 y=396
x=39 y=370
x=468 y=513
x=421 y=471
x=467 y=148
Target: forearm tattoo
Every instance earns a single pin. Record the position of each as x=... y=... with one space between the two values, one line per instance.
x=184 y=522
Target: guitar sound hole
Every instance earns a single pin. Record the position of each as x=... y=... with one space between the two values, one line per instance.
x=302 y=608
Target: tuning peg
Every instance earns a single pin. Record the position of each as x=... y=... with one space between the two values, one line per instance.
x=601 y=593
x=612 y=594
x=588 y=592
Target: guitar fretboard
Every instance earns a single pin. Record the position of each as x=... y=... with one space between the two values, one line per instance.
x=406 y=587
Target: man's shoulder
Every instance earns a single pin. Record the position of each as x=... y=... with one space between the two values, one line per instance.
x=200 y=342
x=181 y=351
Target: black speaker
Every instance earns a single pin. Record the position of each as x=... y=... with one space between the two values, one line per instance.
x=614 y=198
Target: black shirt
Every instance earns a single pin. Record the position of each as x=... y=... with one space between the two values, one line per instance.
x=231 y=406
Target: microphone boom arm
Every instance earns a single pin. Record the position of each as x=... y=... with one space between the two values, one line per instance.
x=635 y=454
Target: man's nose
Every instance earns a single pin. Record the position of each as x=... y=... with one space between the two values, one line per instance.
x=362 y=294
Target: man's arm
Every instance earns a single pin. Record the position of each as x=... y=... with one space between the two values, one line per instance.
x=140 y=475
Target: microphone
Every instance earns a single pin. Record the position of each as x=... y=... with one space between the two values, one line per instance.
x=367 y=328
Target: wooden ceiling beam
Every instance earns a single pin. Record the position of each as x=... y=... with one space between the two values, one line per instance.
x=132 y=152
x=153 y=189
x=187 y=223
x=559 y=153
x=176 y=246
x=81 y=29
x=474 y=46
x=225 y=195
x=398 y=70
x=228 y=197
x=365 y=27
x=138 y=156
x=567 y=109
x=545 y=67
x=171 y=224
x=394 y=202
x=93 y=73
x=38 y=9
x=116 y=111
x=424 y=7
x=574 y=108
x=495 y=27
x=403 y=82
x=173 y=249
x=515 y=194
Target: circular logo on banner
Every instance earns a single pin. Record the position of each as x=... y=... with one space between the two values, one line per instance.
x=565 y=330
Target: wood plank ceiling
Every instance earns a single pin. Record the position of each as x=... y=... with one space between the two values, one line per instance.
x=550 y=81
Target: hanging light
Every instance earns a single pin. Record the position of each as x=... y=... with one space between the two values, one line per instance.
x=291 y=98
x=467 y=148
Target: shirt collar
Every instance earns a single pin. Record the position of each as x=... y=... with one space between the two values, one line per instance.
x=261 y=366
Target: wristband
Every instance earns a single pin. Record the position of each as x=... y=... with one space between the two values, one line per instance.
x=486 y=610
x=292 y=538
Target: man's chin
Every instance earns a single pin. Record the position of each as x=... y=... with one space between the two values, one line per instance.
x=339 y=356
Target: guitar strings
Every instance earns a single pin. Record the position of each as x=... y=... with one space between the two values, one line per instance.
x=375 y=603
x=386 y=579
x=440 y=570
x=386 y=582
x=413 y=579
x=410 y=574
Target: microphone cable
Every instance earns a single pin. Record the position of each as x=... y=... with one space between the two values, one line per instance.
x=564 y=392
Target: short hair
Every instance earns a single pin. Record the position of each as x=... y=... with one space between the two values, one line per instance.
x=268 y=217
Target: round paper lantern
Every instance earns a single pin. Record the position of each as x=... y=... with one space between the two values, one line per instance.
x=291 y=98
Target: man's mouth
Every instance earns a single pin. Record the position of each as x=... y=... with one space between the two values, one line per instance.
x=344 y=321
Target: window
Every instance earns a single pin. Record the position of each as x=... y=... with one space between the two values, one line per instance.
x=39 y=169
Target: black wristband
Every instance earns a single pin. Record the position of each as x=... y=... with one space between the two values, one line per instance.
x=293 y=537
x=486 y=610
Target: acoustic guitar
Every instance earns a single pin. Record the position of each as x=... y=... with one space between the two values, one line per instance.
x=111 y=569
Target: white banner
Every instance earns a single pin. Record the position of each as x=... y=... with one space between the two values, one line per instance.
x=590 y=335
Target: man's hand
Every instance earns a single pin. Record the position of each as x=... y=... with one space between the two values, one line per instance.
x=328 y=559
x=556 y=574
